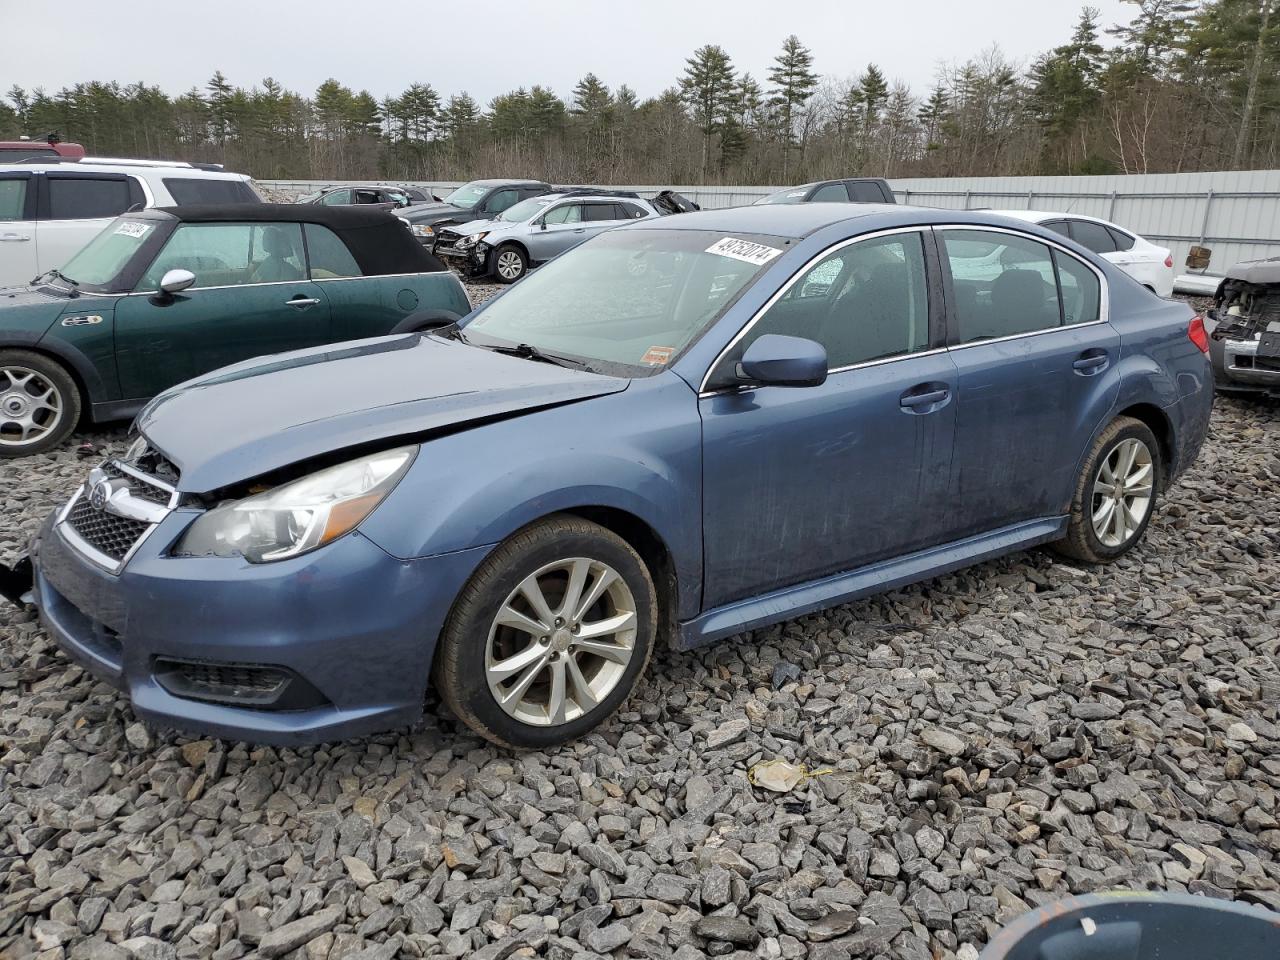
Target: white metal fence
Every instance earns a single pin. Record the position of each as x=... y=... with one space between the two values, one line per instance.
x=1234 y=213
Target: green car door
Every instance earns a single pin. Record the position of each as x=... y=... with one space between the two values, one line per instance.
x=251 y=296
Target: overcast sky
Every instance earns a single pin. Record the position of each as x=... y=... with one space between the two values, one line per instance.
x=490 y=48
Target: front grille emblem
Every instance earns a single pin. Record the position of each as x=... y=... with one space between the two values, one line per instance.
x=99 y=494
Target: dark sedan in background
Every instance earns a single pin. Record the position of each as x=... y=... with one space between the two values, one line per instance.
x=477 y=200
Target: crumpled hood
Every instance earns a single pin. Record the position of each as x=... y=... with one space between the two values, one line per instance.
x=428 y=212
x=480 y=226
x=253 y=417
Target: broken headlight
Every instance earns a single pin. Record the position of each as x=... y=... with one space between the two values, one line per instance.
x=299 y=516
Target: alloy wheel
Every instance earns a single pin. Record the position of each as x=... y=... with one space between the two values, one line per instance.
x=30 y=406
x=1122 y=492
x=561 y=641
x=509 y=265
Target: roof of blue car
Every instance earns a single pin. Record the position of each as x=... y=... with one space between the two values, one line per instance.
x=779 y=220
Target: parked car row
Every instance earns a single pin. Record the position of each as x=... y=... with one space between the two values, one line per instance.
x=633 y=445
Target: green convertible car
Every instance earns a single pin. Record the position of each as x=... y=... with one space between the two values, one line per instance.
x=164 y=295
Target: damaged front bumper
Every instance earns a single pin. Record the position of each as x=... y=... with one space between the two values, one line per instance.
x=470 y=261
x=1244 y=337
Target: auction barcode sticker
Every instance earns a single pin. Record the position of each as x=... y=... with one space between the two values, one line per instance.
x=745 y=250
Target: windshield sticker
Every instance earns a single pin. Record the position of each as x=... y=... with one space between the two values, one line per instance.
x=656 y=356
x=744 y=250
x=133 y=229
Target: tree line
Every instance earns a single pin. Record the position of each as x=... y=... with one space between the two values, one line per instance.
x=1186 y=85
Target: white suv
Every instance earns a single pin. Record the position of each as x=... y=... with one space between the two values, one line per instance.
x=48 y=211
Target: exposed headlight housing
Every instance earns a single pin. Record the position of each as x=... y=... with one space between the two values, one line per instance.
x=421 y=230
x=472 y=239
x=136 y=449
x=299 y=516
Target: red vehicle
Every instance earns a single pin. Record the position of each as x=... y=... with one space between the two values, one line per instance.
x=15 y=151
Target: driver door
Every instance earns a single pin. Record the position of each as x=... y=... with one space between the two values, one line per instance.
x=804 y=482
x=252 y=296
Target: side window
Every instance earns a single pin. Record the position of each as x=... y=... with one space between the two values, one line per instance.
x=601 y=212
x=634 y=211
x=230 y=254
x=1003 y=284
x=336 y=199
x=1123 y=240
x=1057 y=226
x=1081 y=291
x=501 y=200
x=1092 y=236
x=867 y=301
x=862 y=191
x=565 y=213
x=329 y=256
x=74 y=198
x=527 y=192
x=13 y=198
x=188 y=190
x=831 y=193
x=368 y=196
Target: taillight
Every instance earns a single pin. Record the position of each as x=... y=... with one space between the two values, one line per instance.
x=1197 y=334
x=1168 y=261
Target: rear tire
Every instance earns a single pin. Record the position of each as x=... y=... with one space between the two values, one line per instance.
x=39 y=403
x=517 y=658
x=510 y=263
x=1115 y=494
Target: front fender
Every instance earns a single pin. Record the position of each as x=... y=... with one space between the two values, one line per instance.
x=68 y=354
x=638 y=451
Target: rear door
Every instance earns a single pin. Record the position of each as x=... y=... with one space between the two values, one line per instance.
x=600 y=216
x=251 y=297
x=18 y=263
x=1029 y=337
x=359 y=306
x=74 y=207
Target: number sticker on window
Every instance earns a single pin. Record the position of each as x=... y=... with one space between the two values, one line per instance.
x=744 y=250
x=656 y=356
x=133 y=229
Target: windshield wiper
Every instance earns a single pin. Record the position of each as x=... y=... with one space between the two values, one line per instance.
x=72 y=284
x=527 y=351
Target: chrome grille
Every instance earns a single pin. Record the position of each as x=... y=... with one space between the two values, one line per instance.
x=110 y=535
x=146 y=491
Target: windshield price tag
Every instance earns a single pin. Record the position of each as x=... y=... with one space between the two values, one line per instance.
x=133 y=229
x=744 y=250
x=656 y=356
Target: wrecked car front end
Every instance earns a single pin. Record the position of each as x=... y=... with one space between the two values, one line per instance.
x=1244 y=329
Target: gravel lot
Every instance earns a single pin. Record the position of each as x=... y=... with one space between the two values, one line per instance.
x=996 y=739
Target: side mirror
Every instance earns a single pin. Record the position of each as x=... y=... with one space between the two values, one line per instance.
x=542 y=224
x=175 y=281
x=778 y=361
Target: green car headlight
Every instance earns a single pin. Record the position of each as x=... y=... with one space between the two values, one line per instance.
x=300 y=516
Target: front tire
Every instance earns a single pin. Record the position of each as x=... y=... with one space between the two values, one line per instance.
x=510 y=263
x=550 y=635
x=1116 y=493
x=39 y=403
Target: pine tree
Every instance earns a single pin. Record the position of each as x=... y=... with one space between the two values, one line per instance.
x=708 y=87
x=874 y=91
x=793 y=82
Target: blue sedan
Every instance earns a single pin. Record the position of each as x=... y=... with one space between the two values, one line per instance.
x=675 y=433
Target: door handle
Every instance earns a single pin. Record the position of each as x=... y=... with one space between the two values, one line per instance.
x=1090 y=362
x=913 y=402
x=301 y=301
x=14 y=238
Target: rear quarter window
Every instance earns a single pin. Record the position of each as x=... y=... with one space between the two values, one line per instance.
x=862 y=191
x=85 y=198
x=191 y=190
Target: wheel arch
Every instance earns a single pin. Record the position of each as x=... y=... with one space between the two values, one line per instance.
x=653 y=550
x=1157 y=421
x=78 y=368
x=421 y=320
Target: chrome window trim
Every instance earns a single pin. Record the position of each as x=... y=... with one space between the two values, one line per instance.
x=781 y=292
x=275 y=283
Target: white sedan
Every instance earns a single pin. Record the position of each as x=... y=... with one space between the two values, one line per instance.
x=1150 y=265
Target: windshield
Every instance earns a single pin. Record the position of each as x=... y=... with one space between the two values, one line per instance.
x=790 y=195
x=467 y=195
x=310 y=197
x=101 y=260
x=627 y=298
x=523 y=210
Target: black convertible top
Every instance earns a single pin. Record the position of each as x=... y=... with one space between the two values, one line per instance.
x=380 y=243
